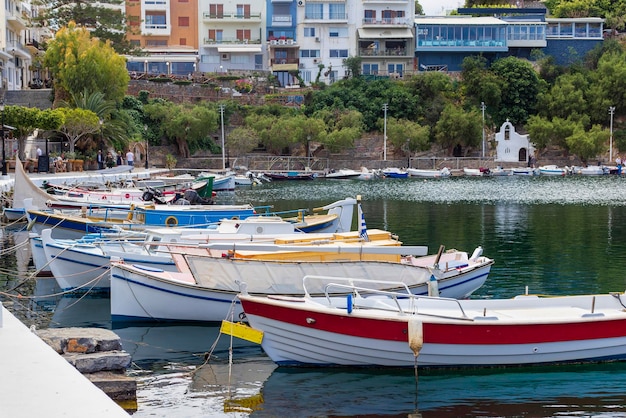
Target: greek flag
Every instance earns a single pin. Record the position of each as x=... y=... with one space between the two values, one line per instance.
x=362 y=226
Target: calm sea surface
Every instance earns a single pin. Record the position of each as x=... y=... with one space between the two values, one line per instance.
x=553 y=235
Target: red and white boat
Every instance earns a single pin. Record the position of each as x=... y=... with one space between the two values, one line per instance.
x=376 y=328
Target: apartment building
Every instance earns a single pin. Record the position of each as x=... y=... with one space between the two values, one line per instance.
x=167 y=30
x=231 y=35
x=16 y=57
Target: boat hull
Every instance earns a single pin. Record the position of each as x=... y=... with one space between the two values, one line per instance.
x=297 y=333
x=210 y=293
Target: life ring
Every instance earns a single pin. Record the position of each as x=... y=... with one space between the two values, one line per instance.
x=171 y=221
x=127 y=195
x=104 y=197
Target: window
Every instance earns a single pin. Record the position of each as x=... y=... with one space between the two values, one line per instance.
x=309 y=53
x=182 y=41
x=216 y=10
x=243 y=34
x=337 y=11
x=156 y=42
x=183 y=20
x=239 y=58
x=134 y=20
x=156 y=20
x=210 y=59
x=370 y=69
x=338 y=53
x=314 y=11
x=309 y=32
x=338 y=32
x=369 y=16
x=243 y=11
x=215 y=35
x=135 y=42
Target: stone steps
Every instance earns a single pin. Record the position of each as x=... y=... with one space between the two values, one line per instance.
x=96 y=353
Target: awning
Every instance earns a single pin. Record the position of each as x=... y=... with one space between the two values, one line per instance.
x=399 y=33
x=240 y=49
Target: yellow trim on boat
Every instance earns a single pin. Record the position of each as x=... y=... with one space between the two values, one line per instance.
x=243 y=331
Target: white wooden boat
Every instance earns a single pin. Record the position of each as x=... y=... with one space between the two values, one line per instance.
x=417 y=172
x=592 y=170
x=499 y=171
x=373 y=328
x=205 y=288
x=473 y=172
x=553 y=170
x=524 y=171
x=343 y=174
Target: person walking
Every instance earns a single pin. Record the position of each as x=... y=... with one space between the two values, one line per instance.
x=130 y=158
x=119 y=158
x=100 y=160
x=618 y=162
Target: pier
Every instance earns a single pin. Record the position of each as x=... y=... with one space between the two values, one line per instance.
x=37 y=381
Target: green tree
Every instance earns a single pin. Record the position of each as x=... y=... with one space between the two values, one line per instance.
x=458 y=127
x=77 y=124
x=353 y=66
x=408 y=135
x=25 y=120
x=79 y=63
x=589 y=144
x=520 y=87
x=242 y=140
x=566 y=98
x=103 y=21
x=189 y=127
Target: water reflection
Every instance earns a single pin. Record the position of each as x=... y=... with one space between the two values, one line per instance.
x=541 y=391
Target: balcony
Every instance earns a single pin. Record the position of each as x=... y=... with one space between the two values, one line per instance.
x=389 y=21
x=385 y=52
x=284 y=64
x=231 y=17
x=155 y=29
x=231 y=41
x=281 y=20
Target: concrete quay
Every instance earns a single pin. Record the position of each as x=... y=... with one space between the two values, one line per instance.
x=37 y=382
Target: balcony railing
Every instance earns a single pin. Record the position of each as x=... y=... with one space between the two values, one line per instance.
x=231 y=16
x=281 y=20
x=386 y=21
x=388 y=52
x=277 y=61
x=232 y=41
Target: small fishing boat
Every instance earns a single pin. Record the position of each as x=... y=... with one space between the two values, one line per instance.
x=417 y=172
x=591 y=170
x=343 y=174
x=394 y=173
x=369 y=327
x=553 y=170
x=290 y=175
x=524 y=171
x=474 y=172
x=205 y=286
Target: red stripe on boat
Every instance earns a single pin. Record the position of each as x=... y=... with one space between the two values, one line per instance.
x=461 y=333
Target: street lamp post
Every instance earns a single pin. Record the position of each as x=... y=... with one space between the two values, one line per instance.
x=145 y=130
x=408 y=150
x=223 y=150
x=482 y=108
x=611 y=112
x=4 y=157
x=385 y=107
x=308 y=151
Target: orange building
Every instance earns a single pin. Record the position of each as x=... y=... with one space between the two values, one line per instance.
x=167 y=30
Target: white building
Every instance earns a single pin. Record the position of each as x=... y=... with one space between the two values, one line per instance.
x=511 y=146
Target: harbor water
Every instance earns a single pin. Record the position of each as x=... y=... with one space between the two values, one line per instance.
x=547 y=235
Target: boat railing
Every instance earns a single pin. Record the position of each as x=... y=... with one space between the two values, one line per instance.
x=358 y=294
